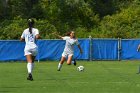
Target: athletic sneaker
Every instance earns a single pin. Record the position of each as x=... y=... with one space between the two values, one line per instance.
x=74 y=62
x=30 y=77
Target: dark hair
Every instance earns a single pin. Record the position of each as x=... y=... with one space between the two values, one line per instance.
x=30 y=24
x=68 y=33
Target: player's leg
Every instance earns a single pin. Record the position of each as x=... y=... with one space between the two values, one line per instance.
x=61 y=63
x=30 y=56
x=74 y=62
x=31 y=60
x=34 y=53
x=29 y=66
x=69 y=59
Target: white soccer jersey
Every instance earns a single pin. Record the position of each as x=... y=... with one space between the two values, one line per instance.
x=69 y=46
x=30 y=38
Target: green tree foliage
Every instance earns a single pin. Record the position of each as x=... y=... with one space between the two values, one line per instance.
x=25 y=8
x=4 y=9
x=12 y=29
x=96 y=18
x=124 y=24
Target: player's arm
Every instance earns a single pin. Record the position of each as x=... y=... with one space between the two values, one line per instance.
x=81 y=51
x=138 y=49
x=58 y=35
x=37 y=36
x=22 y=39
x=77 y=43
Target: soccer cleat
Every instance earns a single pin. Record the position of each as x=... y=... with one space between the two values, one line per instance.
x=58 y=69
x=30 y=77
x=74 y=62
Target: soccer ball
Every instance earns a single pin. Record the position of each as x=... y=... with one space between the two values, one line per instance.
x=80 y=68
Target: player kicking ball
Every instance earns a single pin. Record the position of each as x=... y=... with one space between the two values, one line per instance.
x=71 y=40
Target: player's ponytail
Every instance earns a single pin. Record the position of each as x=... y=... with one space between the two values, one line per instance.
x=30 y=23
x=68 y=33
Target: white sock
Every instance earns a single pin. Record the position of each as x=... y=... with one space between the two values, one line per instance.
x=30 y=67
x=59 y=66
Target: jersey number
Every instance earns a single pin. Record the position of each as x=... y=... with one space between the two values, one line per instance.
x=31 y=38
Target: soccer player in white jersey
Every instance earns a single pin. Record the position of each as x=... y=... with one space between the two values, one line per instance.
x=69 y=49
x=30 y=35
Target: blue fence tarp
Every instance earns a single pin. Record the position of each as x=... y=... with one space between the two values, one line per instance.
x=103 y=49
x=129 y=49
x=52 y=49
x=95 y=49
x=11 y=50
x=85 y=45
x=47 y=50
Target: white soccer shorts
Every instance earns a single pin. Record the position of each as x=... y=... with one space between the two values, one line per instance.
x=32 y=52
x=65 y=54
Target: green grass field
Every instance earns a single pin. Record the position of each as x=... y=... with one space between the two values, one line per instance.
x=98 y=77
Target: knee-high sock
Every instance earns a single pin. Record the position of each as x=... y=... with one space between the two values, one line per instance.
x=59 y=66
x=30 y=67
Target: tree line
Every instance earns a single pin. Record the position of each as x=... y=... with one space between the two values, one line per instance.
x=95 y=18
